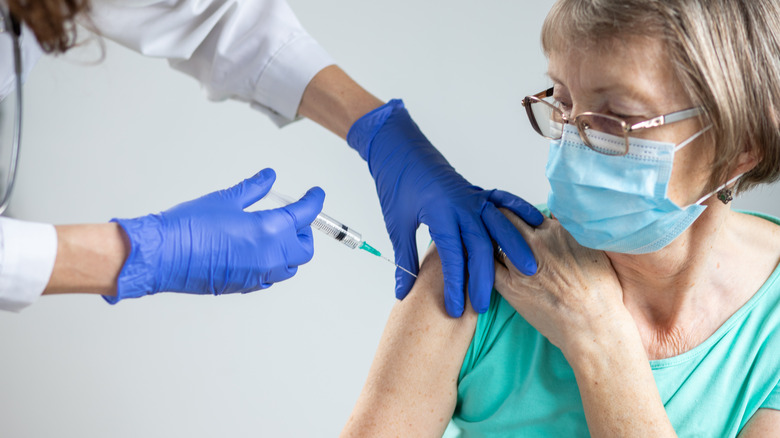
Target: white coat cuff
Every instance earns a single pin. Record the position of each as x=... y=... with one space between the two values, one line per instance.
x=283 y=81
x=26 y=261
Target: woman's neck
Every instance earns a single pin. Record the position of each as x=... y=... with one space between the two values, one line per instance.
x=680 y=295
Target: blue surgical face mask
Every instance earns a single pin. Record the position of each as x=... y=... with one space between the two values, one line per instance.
x=617 y=203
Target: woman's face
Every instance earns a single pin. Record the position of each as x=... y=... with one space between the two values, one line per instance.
x=634 y=80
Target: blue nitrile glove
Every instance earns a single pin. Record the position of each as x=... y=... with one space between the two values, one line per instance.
x=210 y=245
x=417 y=185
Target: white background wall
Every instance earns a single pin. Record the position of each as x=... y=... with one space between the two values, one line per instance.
x=130 y=136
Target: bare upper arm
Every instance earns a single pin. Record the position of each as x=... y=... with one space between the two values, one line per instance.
x=764 y=423
x=411 y=388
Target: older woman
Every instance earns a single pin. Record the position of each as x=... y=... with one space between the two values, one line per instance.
x=656 y=308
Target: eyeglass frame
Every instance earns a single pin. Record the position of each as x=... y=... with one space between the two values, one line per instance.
x=9 y=24
x=664 y=119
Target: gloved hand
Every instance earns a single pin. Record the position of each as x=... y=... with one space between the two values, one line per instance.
x=417 y=185
x=210 y=245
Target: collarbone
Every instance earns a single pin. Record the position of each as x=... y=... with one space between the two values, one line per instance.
x=663 y=343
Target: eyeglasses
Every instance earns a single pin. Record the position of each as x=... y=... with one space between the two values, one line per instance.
x=10 y=104
x=603 y=133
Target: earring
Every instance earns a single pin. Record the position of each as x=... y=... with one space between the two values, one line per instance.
x=724 y=195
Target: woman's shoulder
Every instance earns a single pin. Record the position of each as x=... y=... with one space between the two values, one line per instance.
x=749 y=265
x=764 y=222
x=759 y=236
x=759 y=219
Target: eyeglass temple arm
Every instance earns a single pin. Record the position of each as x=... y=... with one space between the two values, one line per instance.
x=540 y=95
x=667 y=119
x=546 y=93
x=682 y=115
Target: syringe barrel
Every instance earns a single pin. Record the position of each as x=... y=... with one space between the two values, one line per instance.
x=337 y=230
x=326 y=224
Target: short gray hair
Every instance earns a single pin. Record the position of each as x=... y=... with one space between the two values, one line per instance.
x=726 y=53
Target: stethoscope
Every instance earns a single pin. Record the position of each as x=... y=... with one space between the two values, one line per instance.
x=10 y=27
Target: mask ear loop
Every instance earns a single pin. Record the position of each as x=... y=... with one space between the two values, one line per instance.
x=692 y=138
x=724 y=194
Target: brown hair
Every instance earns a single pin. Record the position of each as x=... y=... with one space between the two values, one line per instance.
x=726 y=53
x=52 y=21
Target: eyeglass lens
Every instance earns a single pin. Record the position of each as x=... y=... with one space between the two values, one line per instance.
x=603 y=134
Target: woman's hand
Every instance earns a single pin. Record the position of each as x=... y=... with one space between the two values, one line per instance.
x=575 y=295
x=575 y=300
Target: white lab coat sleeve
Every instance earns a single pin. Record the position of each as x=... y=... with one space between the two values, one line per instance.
x=254 y=51
x=30 y=51
x=27 y=254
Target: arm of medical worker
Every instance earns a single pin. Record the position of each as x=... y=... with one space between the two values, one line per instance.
x=209 y=245
x=256 y=51
x=416 y=184
x=212 y=246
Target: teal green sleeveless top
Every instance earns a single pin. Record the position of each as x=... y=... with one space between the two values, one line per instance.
x=515 y=383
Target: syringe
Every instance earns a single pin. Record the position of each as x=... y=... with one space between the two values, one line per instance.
x=337 y=230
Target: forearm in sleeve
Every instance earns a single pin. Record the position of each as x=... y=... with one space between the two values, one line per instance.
x=254 y=51
x=27 y=254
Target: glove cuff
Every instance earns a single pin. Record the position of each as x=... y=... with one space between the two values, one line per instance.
x=137 y=277
x=361 y=134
